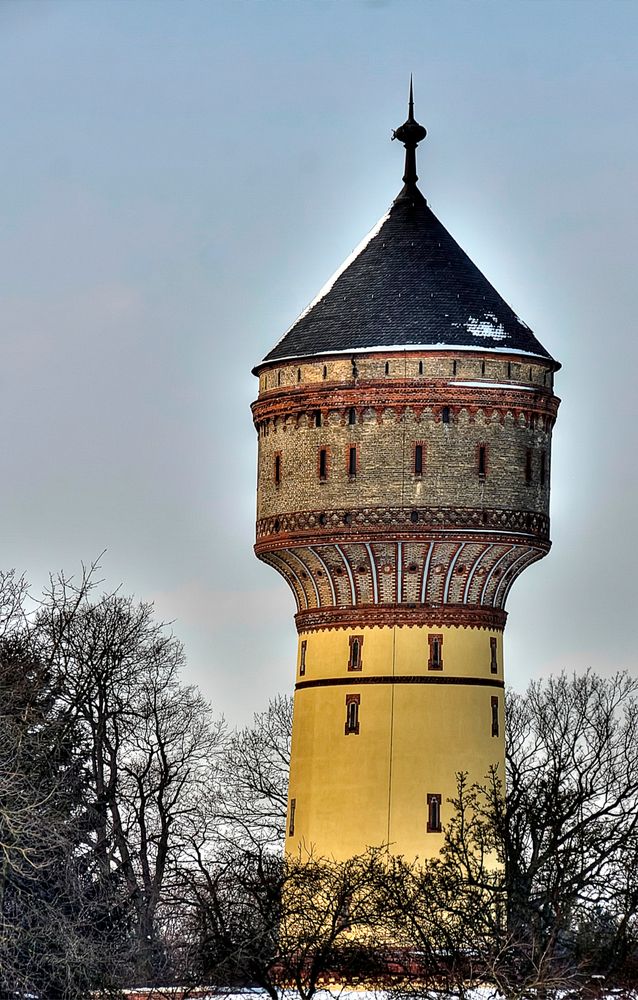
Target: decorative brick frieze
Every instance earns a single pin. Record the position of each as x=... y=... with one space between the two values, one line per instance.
x=413 y=520
x=315 y=619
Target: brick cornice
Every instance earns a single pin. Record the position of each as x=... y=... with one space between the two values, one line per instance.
x=361 y=616
x=402 y=393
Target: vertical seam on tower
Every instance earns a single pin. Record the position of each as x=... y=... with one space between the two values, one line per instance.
x=309 y=575
x=349 y=572
x=328 y=576
x=394 y=641
x=426 y=570
x=478 y=561
x=491 y=572
x=403 y=423
x=446 y=588
x=373 y=569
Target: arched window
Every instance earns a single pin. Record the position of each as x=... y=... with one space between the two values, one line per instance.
x=356 y=661
x=323 y=464
x=352 y=714
x=493 y=658
x=482 y=460
x=494 y=705
x=434 y=813
x=435 y=642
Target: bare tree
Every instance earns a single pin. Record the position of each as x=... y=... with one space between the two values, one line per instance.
x=254 y=779
x=570 y=820
x=152 y=747
x=279 y=922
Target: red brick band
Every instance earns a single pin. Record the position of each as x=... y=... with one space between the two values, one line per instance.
x=463 y=615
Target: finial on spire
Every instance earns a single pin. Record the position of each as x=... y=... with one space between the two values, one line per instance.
x=410 y=134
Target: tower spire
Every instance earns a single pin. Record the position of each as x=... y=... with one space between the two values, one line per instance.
x=410 y=134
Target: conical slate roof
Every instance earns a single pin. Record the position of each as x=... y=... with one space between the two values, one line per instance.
x=407 y=285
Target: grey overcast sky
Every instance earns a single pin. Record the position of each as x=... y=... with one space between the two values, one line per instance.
x=178 y=179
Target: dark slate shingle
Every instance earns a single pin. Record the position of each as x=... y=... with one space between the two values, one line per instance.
x=411 y=285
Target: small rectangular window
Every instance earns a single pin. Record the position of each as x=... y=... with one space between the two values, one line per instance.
x=435 y=661
x=277 y=468
x=420 y=368
x=434 y=813
x=352 y=461
x=482 y=460
x=323 y=464
x=352 y=714
x=317 y=418
x=355 y=661
x=445 y=415
x=493 y=656
x=291 y=820
x=494 y=702
x=454 y=365
x=302 y=657
x=543 y=467
x=352 y=416
x=528 y=466
x=418 y=458
x=387 y=367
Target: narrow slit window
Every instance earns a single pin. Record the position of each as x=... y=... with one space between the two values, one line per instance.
x=493 y=655
x=494 y=703
x=325 y=371
x=387 y=367
x=302 y=657
x=543 y=467
x=291 y=820
x=352 y=461
x=277 y=468
x=434 y=813
x=528 y=466
x=420 y=368
x=352 y=714
x=454 y=366
x=352 y=416
x=317 y=418
x=418 y=459
x=435 y=661
x=482 y=368
x=299 y=374
x=482 y=460
x=445 y=414
x=278 y=378
x=323 y=464
x=355 y=662
x=509 y=369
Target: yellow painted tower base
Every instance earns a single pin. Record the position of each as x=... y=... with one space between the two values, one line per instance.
x=384 y=719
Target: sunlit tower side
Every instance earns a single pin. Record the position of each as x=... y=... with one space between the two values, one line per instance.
x=404 y=425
